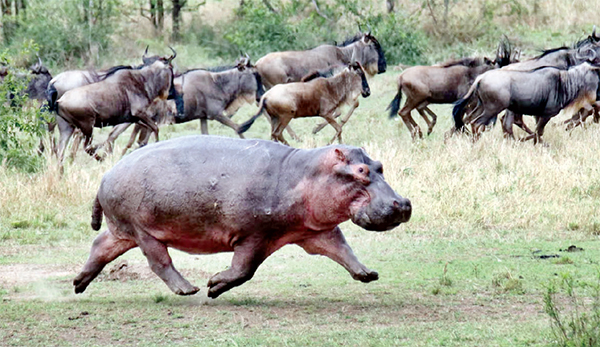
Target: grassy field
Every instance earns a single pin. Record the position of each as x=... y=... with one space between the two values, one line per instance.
x=470 y=268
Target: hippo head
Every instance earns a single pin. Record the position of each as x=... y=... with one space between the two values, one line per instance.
x=374 y=204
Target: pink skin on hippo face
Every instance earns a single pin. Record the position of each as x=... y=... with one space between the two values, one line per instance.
x=206 y=194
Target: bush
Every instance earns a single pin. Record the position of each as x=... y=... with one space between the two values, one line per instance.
x=296 y=25
x=20 y=127
x=66 y=31
x=581 y=326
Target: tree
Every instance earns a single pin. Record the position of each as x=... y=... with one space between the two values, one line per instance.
x=176 y=15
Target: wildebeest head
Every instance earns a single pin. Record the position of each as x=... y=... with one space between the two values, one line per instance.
x=160 y=80
x=250 y=80
x=368 y=52
x=376 y=206
x=357 y=69
x=148 y=60
x=39 y=68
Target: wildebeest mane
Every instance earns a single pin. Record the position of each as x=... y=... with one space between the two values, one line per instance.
x=114 y=70
x=468 y=62
x=213 y=69
x=359 y=37
x=551 y=50
x=351 y=40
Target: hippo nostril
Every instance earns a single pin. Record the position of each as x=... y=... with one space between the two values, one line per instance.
x=396 y=205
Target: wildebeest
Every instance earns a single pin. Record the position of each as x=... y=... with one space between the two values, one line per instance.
x=36 y=80
x=542 y=92
x=71 y=79
x=586 y=50
x=290 y=66
x=123 y=97
x=217 y=95
x=161 y=111
x=182 y=194
x=320 y=97
x=441 y=84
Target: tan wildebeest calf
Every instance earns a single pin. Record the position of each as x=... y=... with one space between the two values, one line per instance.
x=320 y=97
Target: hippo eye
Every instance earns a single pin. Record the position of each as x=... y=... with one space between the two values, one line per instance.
x=361 y=170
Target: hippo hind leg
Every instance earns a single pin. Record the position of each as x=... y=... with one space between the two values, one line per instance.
x=106 y=248
x=161 y=264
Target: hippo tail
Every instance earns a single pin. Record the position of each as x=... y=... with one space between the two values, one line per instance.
x=51 y=96
x=96 y=215
x=247 y=124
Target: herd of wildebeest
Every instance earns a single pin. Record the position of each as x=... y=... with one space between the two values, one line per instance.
x=317 y=82
x=203 y=194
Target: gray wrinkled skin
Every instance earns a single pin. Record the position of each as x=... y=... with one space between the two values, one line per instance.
x=206 y=194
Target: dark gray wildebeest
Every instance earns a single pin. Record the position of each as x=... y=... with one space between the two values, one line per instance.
x=261 y=198
x=586 y=50
x=217 y=95
x=320 y=97
x=444 y=83
x=36 y=79
x=161 y=111
x=123 y=97
x=542 y=92
x=291 y=66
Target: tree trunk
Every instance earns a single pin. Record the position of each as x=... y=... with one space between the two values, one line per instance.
x=160 y=14
x=390 y=4
x=153 y=13
x=176 y=15
x=7 y=20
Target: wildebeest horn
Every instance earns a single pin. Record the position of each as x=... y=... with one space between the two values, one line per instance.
x=146 y=51
x=359 y=28
x=594 y=34
x=170 y=59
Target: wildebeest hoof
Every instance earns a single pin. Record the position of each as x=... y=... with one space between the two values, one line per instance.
x=79 y=285
x=366 y=277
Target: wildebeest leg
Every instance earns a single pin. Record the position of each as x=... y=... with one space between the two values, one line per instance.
x=413 y=127
x=161 y=264
x=347 y=116
x=508 y=120
x=113 y=135
x=288 y=129
x=277 y=126
x=65 y=130
x=539 y=130
x=106 y=248
x=337 y=127
x=77 y=137
x=228 y=122
x=518 y=121
x=204 y=126
x=322 y=125
x=247 y=257
x=89 y=149
x=332 y=244
x=134 y=133
x=430 y=123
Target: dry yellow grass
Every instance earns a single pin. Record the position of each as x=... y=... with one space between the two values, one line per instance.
x=495 y=188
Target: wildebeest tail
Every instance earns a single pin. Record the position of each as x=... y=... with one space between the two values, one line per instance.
x=96 y=215
x=394 y=106
x=247 y=124
x=51 y=96
x=458 y=112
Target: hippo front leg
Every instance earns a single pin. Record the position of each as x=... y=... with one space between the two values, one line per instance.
x=247 y=257
x=333 y=245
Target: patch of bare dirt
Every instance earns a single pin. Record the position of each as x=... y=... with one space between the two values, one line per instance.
x=22 y=274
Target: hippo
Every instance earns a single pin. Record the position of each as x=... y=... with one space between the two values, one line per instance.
x=208 y=194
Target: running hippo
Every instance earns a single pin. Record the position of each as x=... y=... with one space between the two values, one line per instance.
x=207 y=194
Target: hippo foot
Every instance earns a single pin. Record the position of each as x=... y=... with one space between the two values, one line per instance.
x=188 y=291
x=366 y=276
x=80 y=285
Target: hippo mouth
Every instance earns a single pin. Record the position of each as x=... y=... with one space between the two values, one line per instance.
x=387 y=220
